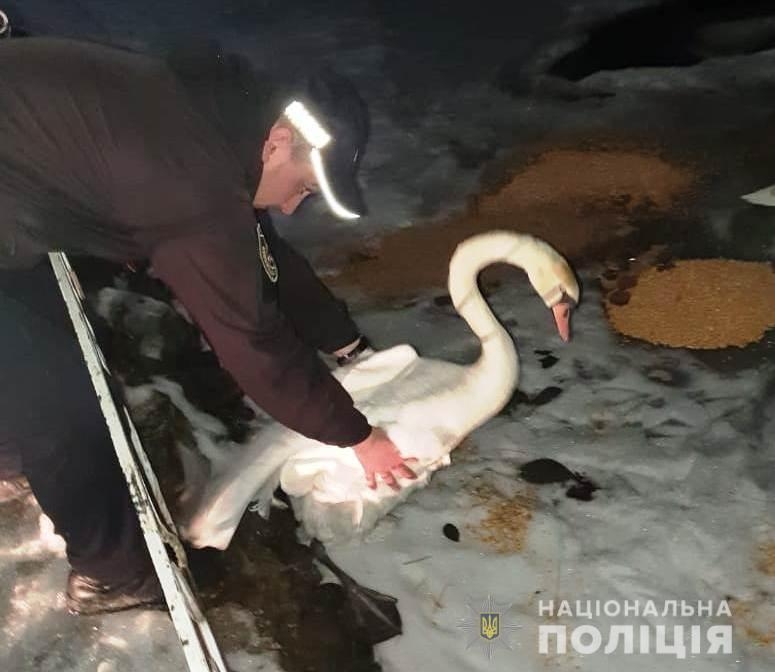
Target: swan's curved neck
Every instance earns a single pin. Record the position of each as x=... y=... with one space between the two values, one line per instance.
x=470 y=258
x=492 y=379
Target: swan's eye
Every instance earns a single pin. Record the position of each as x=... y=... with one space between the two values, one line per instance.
x=567 y=299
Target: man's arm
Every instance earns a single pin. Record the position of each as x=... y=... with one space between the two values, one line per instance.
x=216 y=276
x=317 y=315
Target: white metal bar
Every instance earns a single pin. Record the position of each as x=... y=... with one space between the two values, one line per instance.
x=199 y=646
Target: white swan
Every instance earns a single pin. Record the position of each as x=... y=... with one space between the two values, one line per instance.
x=764 y=196
x=427 y=406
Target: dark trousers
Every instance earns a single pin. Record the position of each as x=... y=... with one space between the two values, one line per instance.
x=52 y=429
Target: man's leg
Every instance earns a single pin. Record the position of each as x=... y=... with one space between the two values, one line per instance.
x=55 y=422
x=78 y=483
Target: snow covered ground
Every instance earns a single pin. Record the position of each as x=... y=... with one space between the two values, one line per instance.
x=682 y=451
x=37 y=633
x=683 y=459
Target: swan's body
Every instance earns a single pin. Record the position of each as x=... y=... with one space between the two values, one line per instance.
x=764 y=196
x=427 y=406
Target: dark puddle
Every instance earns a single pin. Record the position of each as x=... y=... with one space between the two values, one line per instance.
x=545 y=470
x=546 y=358
x=676 y=33
x=451 y=532
x=521 y=398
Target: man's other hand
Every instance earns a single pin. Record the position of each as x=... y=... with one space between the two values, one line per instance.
x=380 y=457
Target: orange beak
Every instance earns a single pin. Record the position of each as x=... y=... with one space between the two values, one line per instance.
x=562 y=312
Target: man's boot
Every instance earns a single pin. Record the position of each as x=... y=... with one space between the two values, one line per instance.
x=87 y=596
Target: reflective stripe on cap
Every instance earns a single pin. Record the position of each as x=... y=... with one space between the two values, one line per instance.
x=307 y=125
x=325 y=188
x=315 y=135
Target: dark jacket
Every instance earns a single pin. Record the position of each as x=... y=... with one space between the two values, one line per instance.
x=108 y=153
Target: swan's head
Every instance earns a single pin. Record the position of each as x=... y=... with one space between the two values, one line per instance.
x=556 y=284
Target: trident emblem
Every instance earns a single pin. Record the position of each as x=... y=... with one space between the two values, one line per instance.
x=489 y=625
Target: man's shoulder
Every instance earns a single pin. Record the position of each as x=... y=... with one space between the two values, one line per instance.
x=53 y=67
x=59 y=51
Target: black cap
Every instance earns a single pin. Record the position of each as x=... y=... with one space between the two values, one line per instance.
x=338 y=107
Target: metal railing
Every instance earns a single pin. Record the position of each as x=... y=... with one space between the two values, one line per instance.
x=159 y=530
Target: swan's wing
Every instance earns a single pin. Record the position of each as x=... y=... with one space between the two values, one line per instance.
x=764 y=196
x=377 y=369
x=419 y=381
x=252 y=474
x=408 y=395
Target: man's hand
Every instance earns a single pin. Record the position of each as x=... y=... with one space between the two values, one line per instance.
x=380 y=457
